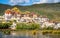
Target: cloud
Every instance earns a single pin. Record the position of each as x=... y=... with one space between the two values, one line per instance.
x=31 y=2
x=40 y=1
x=56 y=1
x=15 y=2
x=20 y=2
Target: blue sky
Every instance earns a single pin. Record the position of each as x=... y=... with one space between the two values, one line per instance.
x=4 y=1
x=27 y=2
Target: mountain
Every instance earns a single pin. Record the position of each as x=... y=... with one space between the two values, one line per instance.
x=52 y=11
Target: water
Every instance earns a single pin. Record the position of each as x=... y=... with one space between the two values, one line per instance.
x=27 y=35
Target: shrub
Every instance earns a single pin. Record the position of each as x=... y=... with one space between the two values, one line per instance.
x=28 y=26
x=50 y=28
x=34 y=26
x=5 y=25
x=47 y=28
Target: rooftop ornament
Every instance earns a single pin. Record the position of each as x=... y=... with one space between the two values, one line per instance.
x=15 y=9
x=8 y=11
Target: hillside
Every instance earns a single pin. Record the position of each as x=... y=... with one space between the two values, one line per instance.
x=52 y=11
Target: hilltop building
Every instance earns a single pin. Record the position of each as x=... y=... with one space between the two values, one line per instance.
x=27 y=17
x=15 y=14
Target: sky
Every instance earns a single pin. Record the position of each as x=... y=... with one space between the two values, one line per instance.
x=27 y=2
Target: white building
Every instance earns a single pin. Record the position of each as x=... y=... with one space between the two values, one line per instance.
x=57 y=26
x=47 y=24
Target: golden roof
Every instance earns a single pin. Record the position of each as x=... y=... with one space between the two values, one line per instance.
x=15 y=9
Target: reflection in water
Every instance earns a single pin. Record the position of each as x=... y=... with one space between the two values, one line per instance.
x=13 y=34
x=27 y=35
x=1 y=35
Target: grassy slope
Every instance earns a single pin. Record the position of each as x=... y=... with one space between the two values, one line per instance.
x=50 y=10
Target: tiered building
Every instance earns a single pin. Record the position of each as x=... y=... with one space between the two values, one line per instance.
x=28 y=17
x=15 y=14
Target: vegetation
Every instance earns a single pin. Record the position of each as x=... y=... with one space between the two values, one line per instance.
x=25 y=26
x=29 y=26
x=5 y=25
x=47 y=28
